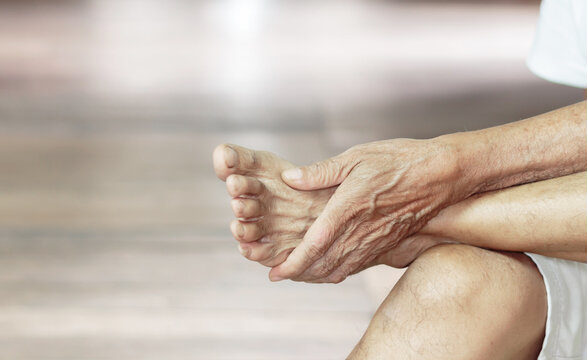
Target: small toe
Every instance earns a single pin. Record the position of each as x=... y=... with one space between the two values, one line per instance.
x=264 y=253
x=247 y=209
x=238 y=185
x=246 y=231
x=278 y=259
x=256 y=251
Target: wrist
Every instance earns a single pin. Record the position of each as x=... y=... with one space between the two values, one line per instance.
x=468 y=152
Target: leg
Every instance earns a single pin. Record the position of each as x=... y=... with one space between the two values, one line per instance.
x=272 y=218
x=460 y=302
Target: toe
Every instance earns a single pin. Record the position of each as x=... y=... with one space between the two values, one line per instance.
x=246 y=160
x=224 y=159
x=232 y=159
x=238 y=185
x=276 y=259
x=247 y=209
x=264 y=253
x=246 y=231
x=256 y=251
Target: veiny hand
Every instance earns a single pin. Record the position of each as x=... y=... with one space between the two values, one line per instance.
x=387 y=191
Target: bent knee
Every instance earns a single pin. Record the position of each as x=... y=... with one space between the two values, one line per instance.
x=467 y=274
x=457 y=302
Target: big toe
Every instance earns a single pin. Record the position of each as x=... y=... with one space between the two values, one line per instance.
x=225 y=159
x=232 y=159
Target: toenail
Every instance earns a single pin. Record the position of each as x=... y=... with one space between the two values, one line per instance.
x=235 y=182
x=230 y=157
x=244 y=251
x=240 y=207
x=240 y=231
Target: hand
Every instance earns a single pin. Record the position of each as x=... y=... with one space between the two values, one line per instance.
x=408 y=250
x=387 y=191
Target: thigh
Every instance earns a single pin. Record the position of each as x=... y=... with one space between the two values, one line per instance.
x=460 y=302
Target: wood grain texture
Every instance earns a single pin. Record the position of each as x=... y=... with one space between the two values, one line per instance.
x=114 y=242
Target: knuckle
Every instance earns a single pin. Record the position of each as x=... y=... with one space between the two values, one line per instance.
x=306 y=276
x=322 y=273
x=334 y=278
x=328 y=265
x=320 y=172
x=314 y=251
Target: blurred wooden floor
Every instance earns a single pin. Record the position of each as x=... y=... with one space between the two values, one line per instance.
x=113 y=229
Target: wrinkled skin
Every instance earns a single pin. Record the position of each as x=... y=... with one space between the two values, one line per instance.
x=272 y=218
x=387 y=191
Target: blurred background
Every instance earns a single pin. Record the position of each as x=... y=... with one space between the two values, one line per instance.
x=114 y=240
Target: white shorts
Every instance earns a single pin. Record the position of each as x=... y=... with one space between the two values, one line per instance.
x=559 y=53
x=566 y=325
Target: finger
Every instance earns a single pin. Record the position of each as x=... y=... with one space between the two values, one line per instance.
x=319 y=237
x=247 y=231
x=338 y=275
x=315 y=243
x=247 y=209
x=238 y=185
x=322 y=268
x=335 y=278
x=320 y=175
x=349 y=266
x=337 y=263
x=320 y=274
x=278 y=259
x=264 y=253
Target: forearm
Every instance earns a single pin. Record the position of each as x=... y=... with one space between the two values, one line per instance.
x=542 y=147
x=547 y=217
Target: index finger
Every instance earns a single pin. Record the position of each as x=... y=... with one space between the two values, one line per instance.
x=318 y=239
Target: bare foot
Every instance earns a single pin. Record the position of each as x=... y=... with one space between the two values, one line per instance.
x=272 y=218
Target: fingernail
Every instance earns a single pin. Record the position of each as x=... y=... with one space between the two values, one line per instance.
x=230 y=157
x=293 y=174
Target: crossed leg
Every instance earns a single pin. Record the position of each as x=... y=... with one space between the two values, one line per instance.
x=460 y=302
x=272 y=218
x=453 y=302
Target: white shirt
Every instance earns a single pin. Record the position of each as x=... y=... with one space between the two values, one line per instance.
x=559 y=53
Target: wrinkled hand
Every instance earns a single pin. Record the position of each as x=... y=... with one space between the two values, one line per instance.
x=387 y=191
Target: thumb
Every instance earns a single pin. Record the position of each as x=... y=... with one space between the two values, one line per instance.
x=320 y=175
